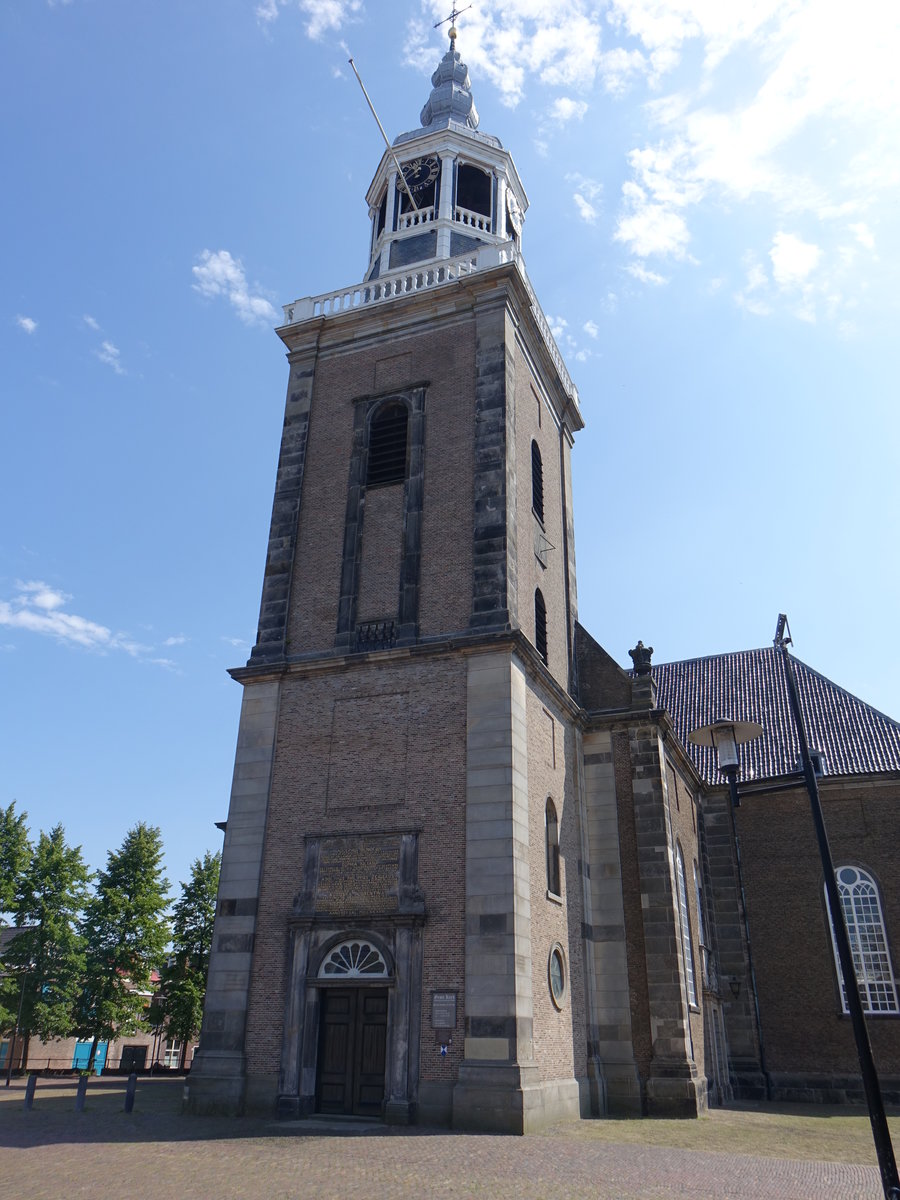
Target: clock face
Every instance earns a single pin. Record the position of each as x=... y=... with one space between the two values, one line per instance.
x=420 y=172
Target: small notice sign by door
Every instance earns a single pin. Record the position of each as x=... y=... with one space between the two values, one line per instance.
x=443 y=1010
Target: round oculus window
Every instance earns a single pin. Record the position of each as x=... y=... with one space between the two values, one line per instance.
x=556 y=974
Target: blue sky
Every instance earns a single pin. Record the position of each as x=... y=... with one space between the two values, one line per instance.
x=713 y=233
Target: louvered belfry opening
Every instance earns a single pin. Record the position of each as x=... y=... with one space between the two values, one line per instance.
x=537 y=482
x=540 y=624
x=387 y=446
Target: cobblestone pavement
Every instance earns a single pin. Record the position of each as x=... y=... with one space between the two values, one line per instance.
x=54 y=1153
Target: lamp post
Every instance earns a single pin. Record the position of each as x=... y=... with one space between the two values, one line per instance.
x=725 y=736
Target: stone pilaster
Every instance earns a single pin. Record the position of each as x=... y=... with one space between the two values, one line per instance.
x=494 y=602
x=499 y=1063
x=609 y=1029
x=218 y=1075
x=673 y=1086
x=276 y=593
x=742 y=1032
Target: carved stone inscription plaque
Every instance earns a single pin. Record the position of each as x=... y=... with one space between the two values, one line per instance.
x=358 y=875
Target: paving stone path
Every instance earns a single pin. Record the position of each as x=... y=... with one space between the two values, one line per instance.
x=53 y=1153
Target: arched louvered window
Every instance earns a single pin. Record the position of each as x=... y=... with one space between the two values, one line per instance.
x=540 y=624
x=537 y=482
x=687 y=948
x=868 y=942
x=551 y=837
x=387 y=446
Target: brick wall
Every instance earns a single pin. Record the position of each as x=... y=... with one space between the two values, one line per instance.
x=559 y=1038
x=800 y=1005
x=535 y=422
x=443 y=356
x=305 y=800
x=683 y=810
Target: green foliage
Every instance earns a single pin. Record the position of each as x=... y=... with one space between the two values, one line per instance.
x=184 y=977
x=14 y=854
x=125 y=933
x=47 y=952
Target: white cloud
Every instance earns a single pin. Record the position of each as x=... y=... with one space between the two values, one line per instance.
x=793 y=260
x=639 y=271
x=323 y=15
x=591 y=328
x=863 y=234
x=218 y=274
x=805 y=116
x=26 y=324
x=587 y=191
x=565 y=109
x=651 y=228
x=586 y=210
x=517 y=42
x=37 y=607
x=109 y=354
x=557 y=325
x=179 y=640
x=91 y=322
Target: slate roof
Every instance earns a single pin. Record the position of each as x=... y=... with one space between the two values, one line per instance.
x=749 y=685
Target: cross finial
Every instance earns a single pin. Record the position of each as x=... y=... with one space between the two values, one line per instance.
x=452 y=19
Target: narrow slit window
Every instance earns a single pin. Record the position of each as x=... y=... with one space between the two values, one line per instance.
x=540 y=624
x=537 y=482
x=387 y=446
x=687 y=948
x=551 y=832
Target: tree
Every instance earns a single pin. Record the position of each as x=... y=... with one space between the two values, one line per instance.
x=125 y=933
x=184 y=976
x=45 y=958
x=14 y=854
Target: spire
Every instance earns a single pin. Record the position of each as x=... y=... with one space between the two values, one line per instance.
x=451 y=97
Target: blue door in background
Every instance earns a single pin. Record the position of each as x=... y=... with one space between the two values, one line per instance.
x=82 y=1056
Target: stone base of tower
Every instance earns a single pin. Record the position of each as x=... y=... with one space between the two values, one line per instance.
x=216 y=1085
x=679 y=1093
x=512 y=1099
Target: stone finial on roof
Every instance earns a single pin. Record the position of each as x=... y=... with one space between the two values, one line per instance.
x=641 y=656
x=451 y=96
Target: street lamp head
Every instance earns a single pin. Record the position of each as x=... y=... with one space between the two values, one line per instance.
x=724 y=736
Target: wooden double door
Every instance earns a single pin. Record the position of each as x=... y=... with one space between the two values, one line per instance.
x=352 y=1046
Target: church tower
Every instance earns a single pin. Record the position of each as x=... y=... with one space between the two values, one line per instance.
x=399 y=928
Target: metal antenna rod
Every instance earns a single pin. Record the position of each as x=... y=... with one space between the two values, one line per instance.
x=384 y=135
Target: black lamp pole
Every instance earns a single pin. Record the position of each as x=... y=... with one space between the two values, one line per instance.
x=880 y=1132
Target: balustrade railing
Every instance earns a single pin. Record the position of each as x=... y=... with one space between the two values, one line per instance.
x=465 y=216
x=409 y=220
x=426 y=276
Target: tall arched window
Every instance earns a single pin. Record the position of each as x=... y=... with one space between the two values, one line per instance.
x=387 y=446
x=537 y=482
x=551 y=837
x=868 y=942
x=540 y=624
x=687 y=948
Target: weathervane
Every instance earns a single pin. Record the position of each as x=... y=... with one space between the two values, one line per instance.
x=452 y=19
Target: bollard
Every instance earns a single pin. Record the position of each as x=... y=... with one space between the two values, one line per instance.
x=29 y=1092
x=130 y=1090
x=81 y=1093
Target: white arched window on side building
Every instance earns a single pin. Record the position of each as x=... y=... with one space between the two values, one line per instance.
x=868 y=942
